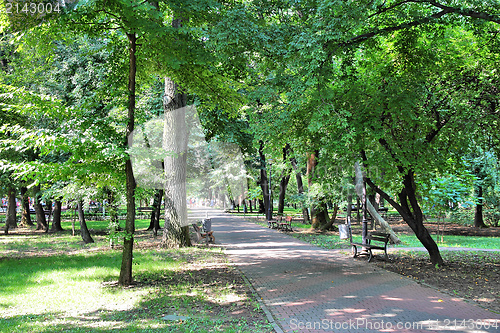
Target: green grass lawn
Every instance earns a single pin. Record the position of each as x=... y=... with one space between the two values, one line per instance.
x=330 y=241
x=42 y=290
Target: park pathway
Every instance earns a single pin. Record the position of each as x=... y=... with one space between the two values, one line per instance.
x=309 y=289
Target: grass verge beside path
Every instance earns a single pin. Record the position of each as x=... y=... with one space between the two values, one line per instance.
x=78 y=293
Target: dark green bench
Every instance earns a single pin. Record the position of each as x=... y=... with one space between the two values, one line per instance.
x=376 y=241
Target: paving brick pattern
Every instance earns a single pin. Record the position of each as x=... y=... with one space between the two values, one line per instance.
x=309 y=289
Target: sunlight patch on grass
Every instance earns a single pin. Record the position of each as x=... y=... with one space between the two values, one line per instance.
x=71 y=293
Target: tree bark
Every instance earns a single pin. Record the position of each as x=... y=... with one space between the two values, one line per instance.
x=175 y=138
x=153 y=211
x=478 y=215
x=125 y=278
x=41 y=222
x=11 y=218
x=412 y=214
x=330 y=224
x=300 y=187
x=319 y=214
x=262 y=206
x=56 y=216
x=264 y=182
x=25 y=203
x=84 y=231
x=285 y=178
x=155 y=214
x=112 y=209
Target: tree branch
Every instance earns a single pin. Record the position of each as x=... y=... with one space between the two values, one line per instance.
x=465 y=12
x=386 y=9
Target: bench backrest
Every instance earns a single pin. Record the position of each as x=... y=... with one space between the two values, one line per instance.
x=379 y=236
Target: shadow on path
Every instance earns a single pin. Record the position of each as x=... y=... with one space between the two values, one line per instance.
x=309 y=289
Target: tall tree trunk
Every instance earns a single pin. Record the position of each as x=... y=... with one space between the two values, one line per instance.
x=125 y=278
x=153 y=211
x=300 y=187
x=84 y=231
x=11 y=218
x=56 y=216
x=154 y=224
x=285 y=178
x=262 y=206
x=478 y=215
x=319 y=214
x=175 y=137
x=412 y=214
x=264 y=182
x=330 y=223
x=25 y=203
x=41 y=222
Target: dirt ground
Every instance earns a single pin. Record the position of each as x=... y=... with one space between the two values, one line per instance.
x=473 y=276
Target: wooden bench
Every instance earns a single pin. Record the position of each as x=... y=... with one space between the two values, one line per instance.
x=273 y=224
x=208 y=236
x=281 y=224
x=286 y=225
x=381 y=238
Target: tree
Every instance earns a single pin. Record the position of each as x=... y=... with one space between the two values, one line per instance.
x=11 y=219
x=175 y=232
x=348 y=79
x=83 y=226
x=180 y=54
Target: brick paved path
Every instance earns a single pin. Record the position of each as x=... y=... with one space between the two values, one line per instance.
x=309 y=289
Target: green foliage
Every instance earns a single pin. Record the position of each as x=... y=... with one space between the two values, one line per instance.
x=463 y=216
x=443 y=194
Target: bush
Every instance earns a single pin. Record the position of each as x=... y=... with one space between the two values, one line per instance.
x=463 y=216
x=491 y=217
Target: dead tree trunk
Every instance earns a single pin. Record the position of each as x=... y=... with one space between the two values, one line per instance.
x=373 y=212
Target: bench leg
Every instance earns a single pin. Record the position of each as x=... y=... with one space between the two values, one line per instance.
x=354 y=251
x=371 y=255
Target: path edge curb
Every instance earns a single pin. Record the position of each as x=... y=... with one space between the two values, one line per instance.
x=268 y=313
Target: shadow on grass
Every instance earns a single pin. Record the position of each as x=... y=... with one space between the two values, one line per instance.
x=214 y=297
